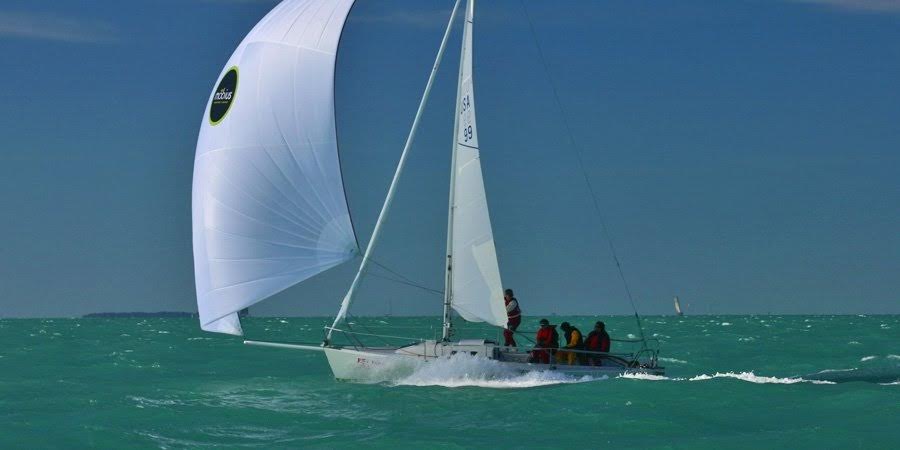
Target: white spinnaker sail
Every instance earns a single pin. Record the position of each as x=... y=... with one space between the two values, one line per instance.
x=269 y=208
x=477 y=289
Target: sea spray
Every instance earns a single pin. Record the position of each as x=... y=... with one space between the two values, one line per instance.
x=462 y=370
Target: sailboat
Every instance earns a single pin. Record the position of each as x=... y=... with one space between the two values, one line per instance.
x=270 y=209
x=678 y=307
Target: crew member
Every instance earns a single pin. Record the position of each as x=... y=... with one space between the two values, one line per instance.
x=573 y=341
x=547 y=341
x=513 y=318
x=597 y=341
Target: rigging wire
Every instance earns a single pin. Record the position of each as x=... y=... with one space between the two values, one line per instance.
x=577 y=150
x=402 y=279
x=424 y=288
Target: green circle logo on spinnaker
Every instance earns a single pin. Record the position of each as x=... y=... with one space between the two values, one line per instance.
x=224 y=96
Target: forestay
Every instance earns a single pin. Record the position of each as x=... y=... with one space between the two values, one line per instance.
x=476 y=286
x=269 y=208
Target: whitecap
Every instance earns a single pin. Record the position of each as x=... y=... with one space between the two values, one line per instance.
x=153 y=402
x=853 y=343
x=725 y=324
x=893 y=356
x=644 y=376
x=867 y=358
x=758 y=379
x=673 y=360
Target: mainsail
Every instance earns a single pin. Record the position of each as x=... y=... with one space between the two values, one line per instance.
x=269 y=208
x=678 y=307
x=477 y=292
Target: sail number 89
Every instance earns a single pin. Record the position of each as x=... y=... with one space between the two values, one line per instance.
x=467 y=129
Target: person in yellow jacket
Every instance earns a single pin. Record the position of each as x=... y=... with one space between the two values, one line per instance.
x=573 y=341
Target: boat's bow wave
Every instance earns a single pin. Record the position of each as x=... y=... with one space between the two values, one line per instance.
x=463 y=370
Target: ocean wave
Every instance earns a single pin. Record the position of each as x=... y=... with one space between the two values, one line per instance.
x=871 y=374
x=750 y=377
x=142 y=402
x=463 y=370
x=673 y=360
x=867 y=358
x=647 y=376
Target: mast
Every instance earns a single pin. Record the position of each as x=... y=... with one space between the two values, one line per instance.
x=345 y=304
x=448 y=281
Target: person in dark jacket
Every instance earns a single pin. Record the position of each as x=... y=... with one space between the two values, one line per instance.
x=573 y=341
x=597 y=341
x=513 y=318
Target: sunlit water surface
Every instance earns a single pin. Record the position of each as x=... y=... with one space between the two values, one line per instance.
x=731 y=381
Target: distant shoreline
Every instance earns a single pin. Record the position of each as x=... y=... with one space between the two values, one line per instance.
x=141 y=314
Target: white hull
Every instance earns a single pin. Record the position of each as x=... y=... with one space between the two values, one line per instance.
x=383 y=364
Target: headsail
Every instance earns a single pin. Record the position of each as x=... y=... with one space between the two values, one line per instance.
x=476 y=286
x=678 y=307
x=269 y=208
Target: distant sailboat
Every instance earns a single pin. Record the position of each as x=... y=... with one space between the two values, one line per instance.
x=678 y=307
x=270 y=211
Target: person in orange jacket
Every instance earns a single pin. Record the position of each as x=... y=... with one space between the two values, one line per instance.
x=547 y=341
x=597 y=341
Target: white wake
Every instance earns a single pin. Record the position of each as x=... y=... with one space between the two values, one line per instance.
x=462 y=370
x=749 y=377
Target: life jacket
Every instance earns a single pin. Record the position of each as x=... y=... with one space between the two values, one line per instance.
x=516 y=312
x=604 y=342
x=548 y=337
x=598 y=342
x=579 y=343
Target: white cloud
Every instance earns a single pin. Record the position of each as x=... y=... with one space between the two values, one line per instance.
x=52 y=27
x=888 y=6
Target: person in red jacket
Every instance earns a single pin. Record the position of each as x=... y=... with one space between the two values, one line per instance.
x=547 y=341
x=597 y=341
x=513 y=318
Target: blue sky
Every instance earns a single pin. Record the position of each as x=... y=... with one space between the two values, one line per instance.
x=746 y=153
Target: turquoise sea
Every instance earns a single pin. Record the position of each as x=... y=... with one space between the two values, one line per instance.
x=732 y=382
